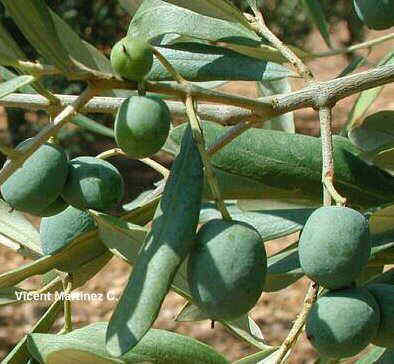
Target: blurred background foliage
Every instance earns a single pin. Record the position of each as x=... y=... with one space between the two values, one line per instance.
x=103 y=22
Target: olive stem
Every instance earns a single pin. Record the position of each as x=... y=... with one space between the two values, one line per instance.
x=199 y=139
x=230 y=135
x=329 y=191
x=51 y=129
x=10 y=152
x=67 y=288
x=148 y=161
x=275 y=105
x=156 y=166
x=296 y=330
x=367 y=44
x=263 y=30
x=168 y=66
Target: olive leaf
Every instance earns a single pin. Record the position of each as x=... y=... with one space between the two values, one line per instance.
x=19 y=354
x=283 y=269
x=18 y=233
x=14 y=84
x=34 y=20
x=376 y=131
x=9 y=48
x=377 y=355
x=200 y=62
x=292 y=163
x=220 y=9
x=165 y=248
x=367 y=97
x=283 y=122
x=152 y=20
x=316 y=13
x=119 y=236
x=88 y=344
x=271 y=224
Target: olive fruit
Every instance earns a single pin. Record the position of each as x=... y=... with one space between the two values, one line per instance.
x=226 y=270
x=132 y=58
x=341 y=323
x=142 y=125
x=384 y=295
x=93 y=183
x=334 y=246
x=59 y=231
x=38 y=183
x=377 y=14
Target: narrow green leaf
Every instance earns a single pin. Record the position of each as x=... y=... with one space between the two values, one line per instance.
x=121 y=237
x=357 y=62
x=14 y=84
x=10 y=295
x=6 y=74
x=369 y=273
x=367 y=97
x=17 y=275
x=382 y=157
x=200 y=62
x=79 y=50
x=191 y=313
x=283 y=122
x=88 y=345
x=16 y=229
x=19 y=353
x=265 y=52
x=152 y=20
x=165 y=248
x=254 y=358
x=271 y=224
x=91 y=125
x=316 y=12
x=375 y=131
x=34 y=20
x=292 y=163
x=220 y=9
x=9 y=47
x=241 y=329
x=283 y=269
x=386 y=278
x=382 y=221
x=374 y=356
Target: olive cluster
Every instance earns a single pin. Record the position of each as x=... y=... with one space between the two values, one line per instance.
x=60 y=191
x=334 y=248
x=142 y=123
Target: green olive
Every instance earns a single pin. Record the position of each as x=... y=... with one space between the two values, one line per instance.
x=142 y=125
x=132 y=58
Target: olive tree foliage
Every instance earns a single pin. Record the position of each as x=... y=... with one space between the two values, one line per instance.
x=251 y=166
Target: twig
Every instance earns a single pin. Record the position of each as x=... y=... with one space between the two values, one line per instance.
x=10 y=152
x=197 y=136
x=149 y=162
x=46 y=133
x=270 y=106
x=367 y=44
x=263 y=30
x=230 y=135
x=329 y=191
x=199 y=139
x=67 y=288
x=296 y=330
x=156 y=166
x=175 y=74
